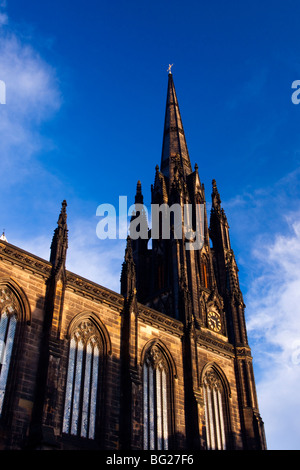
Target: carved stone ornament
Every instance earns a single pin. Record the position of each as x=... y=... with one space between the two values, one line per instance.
x=86 y=332
x=211 y=380
x=8 y=302
x=154 y=356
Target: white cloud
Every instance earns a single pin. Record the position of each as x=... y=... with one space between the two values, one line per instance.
x=32 y=96
x=273 y=313
x=3 y=19
x=31 y=85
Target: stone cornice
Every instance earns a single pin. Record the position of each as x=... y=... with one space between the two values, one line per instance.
x=243 y=352
x=25 y=260
x=30 y=262
x=160 y=320
x=94 y=291
x=215 y=345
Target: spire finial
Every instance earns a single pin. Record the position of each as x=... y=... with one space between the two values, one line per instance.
x=169 y=69
x=63 y=213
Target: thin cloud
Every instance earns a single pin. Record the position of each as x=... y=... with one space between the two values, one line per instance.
x=267 y=222
x=274 y=327
x=32 y=97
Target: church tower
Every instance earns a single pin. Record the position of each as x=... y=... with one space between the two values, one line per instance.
x=165 y=364
x=195 y=281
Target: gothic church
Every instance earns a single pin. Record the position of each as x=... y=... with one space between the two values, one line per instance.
x=163 y=365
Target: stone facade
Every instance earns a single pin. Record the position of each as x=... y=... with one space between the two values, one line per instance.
x=165 y=364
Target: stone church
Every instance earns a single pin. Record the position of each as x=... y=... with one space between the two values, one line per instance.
x=163 y=365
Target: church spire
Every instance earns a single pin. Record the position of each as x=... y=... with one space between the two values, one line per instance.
x=174 y=147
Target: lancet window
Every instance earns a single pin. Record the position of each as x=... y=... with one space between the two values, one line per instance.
x=9 y=309
x=215 y=416
x=82 y=381
x=155 y=400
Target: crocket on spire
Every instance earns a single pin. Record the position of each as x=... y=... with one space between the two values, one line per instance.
x=174 y=148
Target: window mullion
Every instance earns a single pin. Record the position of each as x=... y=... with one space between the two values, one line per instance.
x=73 y=383
x=85 y=389
x=217 y=419
x=89 y=409
x=145 y=405
x=81 y=390
x=211 y=419
x=158 y=408
x=93 y=396
x=77 y=387
x=165 y=410
x=222 y=420
x=151 y=409
x=69 y=387
x=206 y=409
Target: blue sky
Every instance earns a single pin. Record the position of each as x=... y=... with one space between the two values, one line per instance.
x=83 y=120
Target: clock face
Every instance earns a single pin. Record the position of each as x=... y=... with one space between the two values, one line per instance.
x=214 y=321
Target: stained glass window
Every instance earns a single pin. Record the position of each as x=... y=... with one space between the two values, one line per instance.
x=155 y=401
x=82 y=382
x=8 y=322
x=214 y=411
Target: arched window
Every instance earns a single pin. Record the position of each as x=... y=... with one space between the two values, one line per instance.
x=82 y=381
x=204 y=274
x=156 y=400
x=215 y=411
x=204 y=271
x=8 y=322
x=14 y=309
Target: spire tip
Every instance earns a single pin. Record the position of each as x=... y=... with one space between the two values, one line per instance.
x=169 y=69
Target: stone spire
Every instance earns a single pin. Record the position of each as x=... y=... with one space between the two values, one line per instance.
x=174 y=148
x=59 y=243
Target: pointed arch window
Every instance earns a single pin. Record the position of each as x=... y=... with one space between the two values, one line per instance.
x=82 y=381
x=204 y=274
x=215 y=415
x=155 y=400
x=14 y=309
x=8 y=323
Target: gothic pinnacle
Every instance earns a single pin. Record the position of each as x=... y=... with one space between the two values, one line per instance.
x=216 y=200
x=139 y=196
